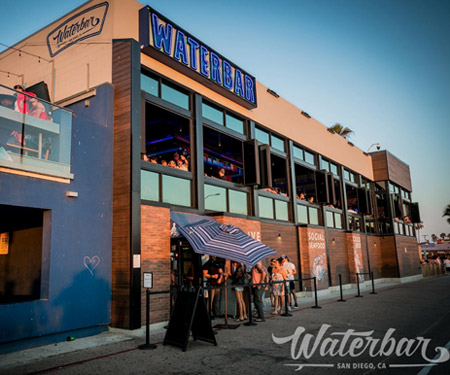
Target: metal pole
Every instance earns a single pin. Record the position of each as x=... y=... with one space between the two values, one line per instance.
x=249 y=309
x=373 y=284
x=147 y=344
x=340 y=288
x=357 y=283
x=315 y=294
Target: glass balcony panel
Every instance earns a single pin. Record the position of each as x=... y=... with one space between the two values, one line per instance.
x=215 y=198
x=238 y=202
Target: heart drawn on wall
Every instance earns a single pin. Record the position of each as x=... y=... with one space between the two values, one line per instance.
x=91 y=263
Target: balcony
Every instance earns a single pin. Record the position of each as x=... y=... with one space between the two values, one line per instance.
x=35 y=136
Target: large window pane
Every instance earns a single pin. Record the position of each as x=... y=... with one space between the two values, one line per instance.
x=302 y=214
x=324 y=164
x=174 y=96
x=149 y=186
x=176 y=191
x=277 y=143
x=234 y=123
x=149 y=84
x=262 y=136
x=330 y=221
x=313 y=216
x=215 y=198
x=281 y=210
x=237 y=202
x=266 y=207
x=212 y=113
x=337 y=220
x=309 y=158
x=333 y=169
x=298 y=153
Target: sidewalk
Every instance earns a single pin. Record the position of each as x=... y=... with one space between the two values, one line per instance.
x=137 y=337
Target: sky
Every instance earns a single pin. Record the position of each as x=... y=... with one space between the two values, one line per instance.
x=379 y=67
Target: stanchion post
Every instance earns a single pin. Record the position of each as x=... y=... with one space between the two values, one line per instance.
x=286 y=309
x=316 y=306
x=373 y=284
x=357 y=284
x=340 y=288
x=249 y=309
x=147 y=344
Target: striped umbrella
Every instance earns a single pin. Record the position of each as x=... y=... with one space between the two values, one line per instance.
x=225 y=241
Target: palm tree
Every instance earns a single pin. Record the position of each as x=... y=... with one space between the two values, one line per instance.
x=344 y=132
x=433 y=237
x=442 y=235
x=446 y=212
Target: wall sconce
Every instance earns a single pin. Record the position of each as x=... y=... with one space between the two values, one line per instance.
x=333 y=241
x=71 y=194
x=271 y=92
x=279 y=236
x=374 y=244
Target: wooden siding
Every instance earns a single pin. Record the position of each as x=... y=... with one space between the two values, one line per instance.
x=389 y=257
x=379 y=166
x=408 y=256
x=375 y=258
x=121 y=258
x=388 y=167
x=398 y=172
x=338 y=257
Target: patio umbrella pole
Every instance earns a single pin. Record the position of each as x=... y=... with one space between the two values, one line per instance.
x=226 y=325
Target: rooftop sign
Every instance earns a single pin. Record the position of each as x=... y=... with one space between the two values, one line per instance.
x=170 y=44
x=81 y=26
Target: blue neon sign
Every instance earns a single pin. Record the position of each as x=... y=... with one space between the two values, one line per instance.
x=165 y=41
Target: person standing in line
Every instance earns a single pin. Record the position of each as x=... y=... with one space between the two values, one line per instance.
x=285 y=265
x=258 y=277
x=447 y=265
x=291 y=281
x=213 y=272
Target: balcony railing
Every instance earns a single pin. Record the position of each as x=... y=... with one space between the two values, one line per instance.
x=35 y=136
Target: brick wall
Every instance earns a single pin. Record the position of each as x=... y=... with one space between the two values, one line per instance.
x=339 y=257
x=408 y=256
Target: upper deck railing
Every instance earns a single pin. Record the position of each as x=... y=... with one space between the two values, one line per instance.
x=35 y=135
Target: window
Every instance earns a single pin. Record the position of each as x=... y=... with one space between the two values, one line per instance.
x=352 y=199
x=175 y=95
x=309 y=157
x=215 y=198
x=167 y=138
x=265 y=137
x=222 y=117
x=22 y=254
x=266 y=207
x=281 y=210
x=176 y=191
x=349 y=176
x=298 y=153
x=212 y=113
x=170 y=92
x=222 y=156
x=279 y=175
x=325 y=164
x=305 y=183
x=302 y=214
x=238 y=202
x=334 y=219
x=149 y=186
x=334 y=169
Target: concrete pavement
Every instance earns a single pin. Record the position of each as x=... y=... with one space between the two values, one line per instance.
x=401 y=311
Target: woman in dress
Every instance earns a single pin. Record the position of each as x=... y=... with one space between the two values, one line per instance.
x=278 y=276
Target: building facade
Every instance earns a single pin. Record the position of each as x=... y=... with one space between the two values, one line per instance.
x=162 y=122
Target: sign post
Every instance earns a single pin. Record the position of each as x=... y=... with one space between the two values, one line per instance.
x=148 y=284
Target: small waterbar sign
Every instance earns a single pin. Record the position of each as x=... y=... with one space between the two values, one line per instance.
x=81 y=26
x=170 y=44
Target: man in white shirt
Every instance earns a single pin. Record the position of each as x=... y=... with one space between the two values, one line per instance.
x=291 y=271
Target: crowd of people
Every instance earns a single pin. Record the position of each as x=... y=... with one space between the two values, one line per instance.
x=28 y=104
x=273 y=280
x=178 y=161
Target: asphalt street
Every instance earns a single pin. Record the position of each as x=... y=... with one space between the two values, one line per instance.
x=397 y=331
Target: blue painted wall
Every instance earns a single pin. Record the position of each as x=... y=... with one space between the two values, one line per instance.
x=81 y=230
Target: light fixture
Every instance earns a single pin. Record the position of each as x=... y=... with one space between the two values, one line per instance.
x=306 y=114
x=71 y=194
x=333 y=241
x=375 y=144
x=374 y=244
x=271 y=92
x=279 y=236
